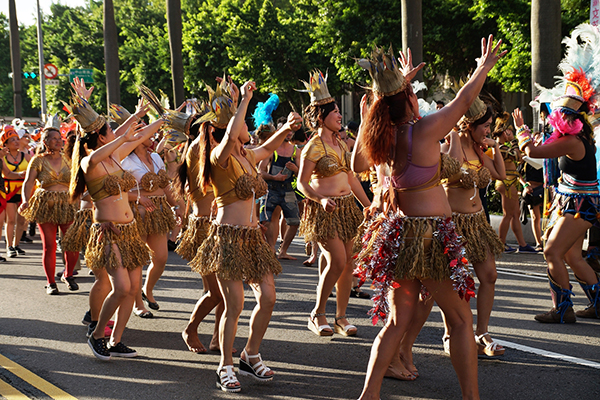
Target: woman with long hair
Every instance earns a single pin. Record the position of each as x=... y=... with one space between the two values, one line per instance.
x=49 y=205
x=114 y=245
x=413 y=241
x=482 y=243
x=235 y=250
x=331 y=217
x=14 y=167
x=508 y=188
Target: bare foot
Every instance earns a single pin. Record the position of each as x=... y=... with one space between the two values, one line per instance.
x=407 y=361
x=286 y=256
x=214 y=346
x=397 y=370
x=192 y=341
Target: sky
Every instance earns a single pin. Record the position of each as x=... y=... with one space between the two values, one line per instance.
x=26 y=9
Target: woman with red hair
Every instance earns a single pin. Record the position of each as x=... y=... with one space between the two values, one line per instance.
x=413 y=243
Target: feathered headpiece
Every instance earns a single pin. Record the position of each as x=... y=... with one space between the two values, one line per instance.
x=220 y=108
x=118 y=113
x=88 y=119
x=263 y=112
x=173 y=119
x=317 y=88
x=425 y=108
x=502 y=123
x=385 y=73
x=477 y=109
x=53 y=121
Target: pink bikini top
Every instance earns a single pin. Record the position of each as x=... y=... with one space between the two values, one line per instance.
x=413 y=177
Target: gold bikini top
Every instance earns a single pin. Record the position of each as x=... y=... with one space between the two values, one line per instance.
x=233 y=182
x=472 y=173
x=327 y=163
x=111 y=184
x=47 y=176
x=151 y=181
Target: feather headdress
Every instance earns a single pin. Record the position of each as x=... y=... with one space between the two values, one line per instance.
x=263 y=112
x=88 y=119
x=317 y=88
x=118 y=113
x=53 y=121
x=385 y=73
x=220 y=107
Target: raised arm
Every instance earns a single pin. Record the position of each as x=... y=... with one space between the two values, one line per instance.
x=437 y=125
x=140 y=112
x=236 y=125
x=265 y=150
x=141 y=134
x=359 y=161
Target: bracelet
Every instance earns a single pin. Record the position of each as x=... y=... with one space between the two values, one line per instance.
x=523 y=128
x=526 y=184
x=523 y=142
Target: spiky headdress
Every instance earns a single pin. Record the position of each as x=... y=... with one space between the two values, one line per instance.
x=477 y=109
x=173 y=119
x=118 y=113
x=263 y=113
x=383 y=68
x=82 y=111
x=220 y=105
x=317 y=88
x=53 y=121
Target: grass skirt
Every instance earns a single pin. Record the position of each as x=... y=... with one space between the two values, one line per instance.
x=50 y=207
x=235 y=253
x=396 y=247
x=194 y=235
x=100 y=253
x=480 y=237
x=319 y=225
x=158 y=222
x=78 y=234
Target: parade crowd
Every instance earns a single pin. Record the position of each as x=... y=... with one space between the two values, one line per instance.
x=396 y=201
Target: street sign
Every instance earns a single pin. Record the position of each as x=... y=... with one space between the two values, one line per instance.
x=50 y=71
x=83 y=74
x=52 y=82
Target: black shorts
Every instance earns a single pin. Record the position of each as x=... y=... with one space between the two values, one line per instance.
x=16 y=199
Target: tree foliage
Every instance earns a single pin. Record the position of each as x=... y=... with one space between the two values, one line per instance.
x=274 y=42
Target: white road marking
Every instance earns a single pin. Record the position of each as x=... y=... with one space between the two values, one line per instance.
x=549 y=354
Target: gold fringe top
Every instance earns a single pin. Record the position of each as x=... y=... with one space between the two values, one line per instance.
x=47 y=176
x=328 y=163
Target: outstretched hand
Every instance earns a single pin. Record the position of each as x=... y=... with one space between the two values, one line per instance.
x=406 y=62
x=247 y=90
x=142 y=108
x=78 y=86
x=517 y=118
x=489 y=53
x=132 y=130
x=294 y=121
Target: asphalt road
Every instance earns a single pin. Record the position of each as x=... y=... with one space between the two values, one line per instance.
x=43 y=334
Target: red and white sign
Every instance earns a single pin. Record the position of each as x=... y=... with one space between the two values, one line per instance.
x=595 y=12
x=50 y=71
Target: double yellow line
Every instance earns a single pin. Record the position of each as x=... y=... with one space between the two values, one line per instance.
x=10 y=393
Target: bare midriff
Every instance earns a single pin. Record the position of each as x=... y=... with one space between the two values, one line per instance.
x=462 y=200
x=332 y=186
x=203 y=207
x=241 y=212
x=426 y=203
x=114 y=208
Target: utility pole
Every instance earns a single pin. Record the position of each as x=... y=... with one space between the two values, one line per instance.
x=15 y=58
x=41 y=62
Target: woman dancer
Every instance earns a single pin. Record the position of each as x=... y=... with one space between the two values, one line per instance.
x=415 y=208
x=14 y=167
x=576 y=204
x=508 y=188
x=235 y=249
x=49 y=206
x=114 y=245
x=151 y=203
x=332 y=217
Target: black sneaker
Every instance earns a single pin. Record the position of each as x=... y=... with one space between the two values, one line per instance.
x=99 y=348
x=11 y=252
x=31 y=229
x=120 y=350
x=87 y=318
x=19 y=250
x=25 y=239
x=52 y=289
x=70 y=281
x=91 y=329
x=2 y=259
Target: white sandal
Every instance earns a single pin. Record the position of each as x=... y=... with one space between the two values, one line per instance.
x=446 y=342
x=346 y=330
x=319 y=330
x=492 y=349
x=225 y=377
x=258 y=370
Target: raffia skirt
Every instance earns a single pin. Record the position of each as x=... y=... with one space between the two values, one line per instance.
x=158 y=222
x=319 y=225
x=100 y=252
x=195 y=234
x=480 y=237
x=235 y=253
x=50 y=207
x=78 y=234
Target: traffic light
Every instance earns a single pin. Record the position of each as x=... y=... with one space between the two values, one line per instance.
x=31 y=75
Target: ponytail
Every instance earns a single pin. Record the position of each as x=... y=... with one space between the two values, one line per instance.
x=77 y=184
x=182 y=172
x=204 y=149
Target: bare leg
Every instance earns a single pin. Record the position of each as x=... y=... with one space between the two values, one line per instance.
x=290 y=233
x=124 y=310
x=487 y=275
x=100 y=289
x=11 y=221
x=578 y=265
x=536 y=224
x=233 y=296
x=211 y=298
x=264 y=293
x=344 y=286
x=334 y=252
x=158 y=245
